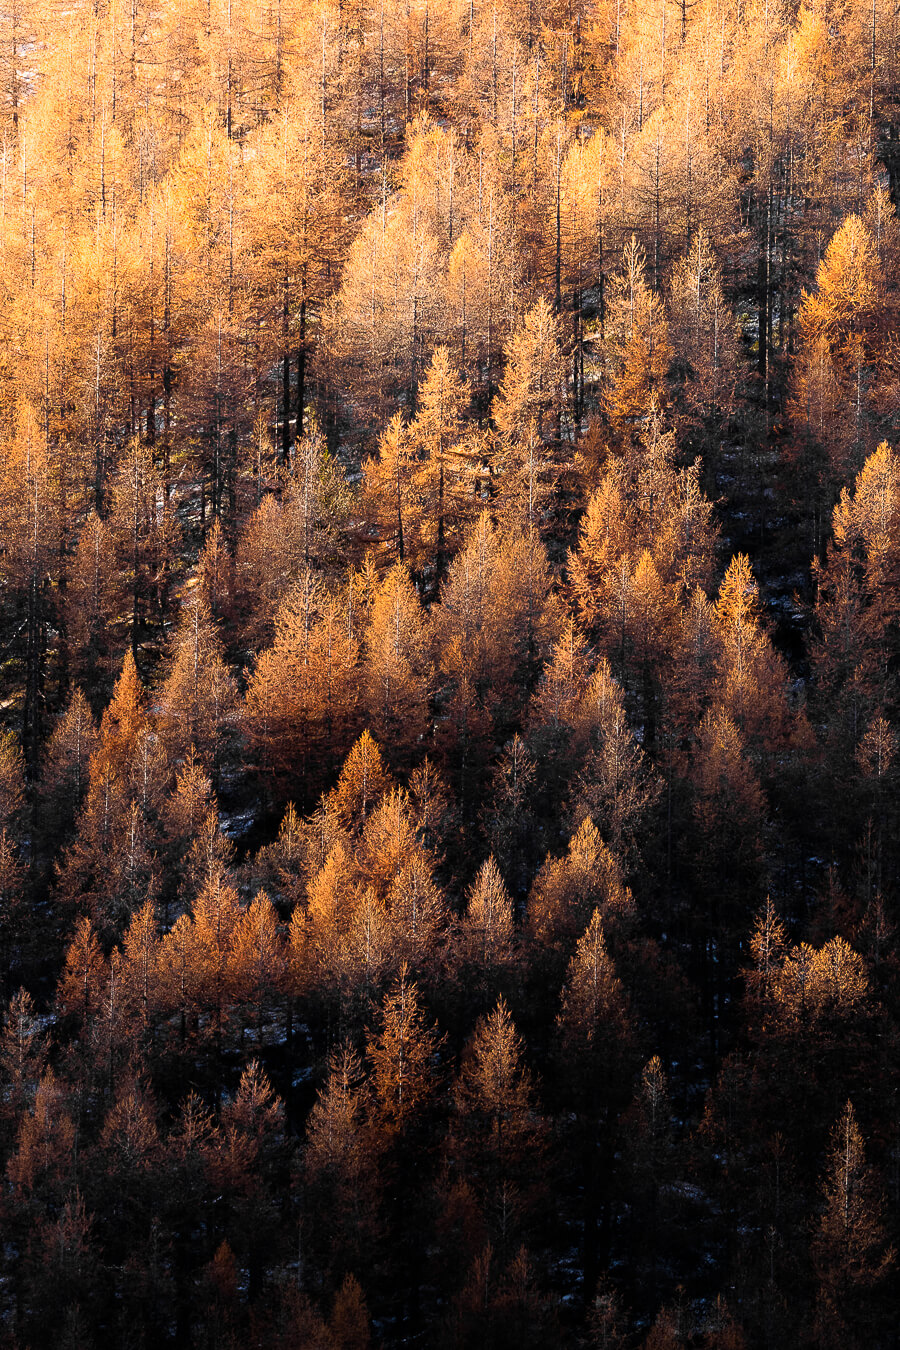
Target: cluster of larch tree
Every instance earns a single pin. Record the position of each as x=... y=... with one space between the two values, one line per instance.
x=449 y=541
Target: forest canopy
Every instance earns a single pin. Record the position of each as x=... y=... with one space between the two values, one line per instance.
x=449 y=559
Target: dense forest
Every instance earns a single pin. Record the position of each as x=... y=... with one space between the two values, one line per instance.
x=449 y=655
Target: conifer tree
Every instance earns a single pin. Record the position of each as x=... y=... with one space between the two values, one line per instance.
x=499 y=1134
x=436 y=437
x=396 y=665
x=67 y=761
x=392 y=501
x=637 y=350
x=256 y=960
x=597 y=1063
x=302 y=693
x=751 y=677
x=850 y=1251
x=340 y=1165
x=402 y=1053
x=484 y=944
x=533 y=389
x=198 y=699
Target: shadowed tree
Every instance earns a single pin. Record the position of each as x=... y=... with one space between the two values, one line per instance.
x=850 y=1250
x=597 y=1063
x=340 y=1167
x=498 y=1134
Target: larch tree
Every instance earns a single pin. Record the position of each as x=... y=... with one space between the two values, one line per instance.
x=302 y=694
x=199 y=697
x=396 y=665
x=705 y=343
x=529 y=412
x=637 y=349
x=67 y=760
x=349 y=1324
x=256 y=961
x=23 y=1055
x=497 y=617
x=253 y=1160
x=728 y=850
x=484 y=942
x=562 y=685
x=33 y=490
x=268 y=563
x=585 y=242
x=92 y=609
x=532 y=392
x=597 y=1062
x=145 y=534
x=437 y=440
x=138 y=976
x=363 y=780
x=18 y=36
x=340 y=1164
x=855 y=611
x=401 y=1053
x=383 y=319
x=509 y=815
x=850 y=1249
x=876 y=758
x=768 y=946
x=567 y=890
x=12 y=785
x=751 y=679
x=83 y=979
x=839 y=343
x=125 y=788
x=392 y=503
x=294 y=244
x=615 y=785
x=498 y=1131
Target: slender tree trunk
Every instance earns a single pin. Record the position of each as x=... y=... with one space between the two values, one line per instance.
x=285 y=375
x=36 y=645
x=301 y=369
x=762 y=284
